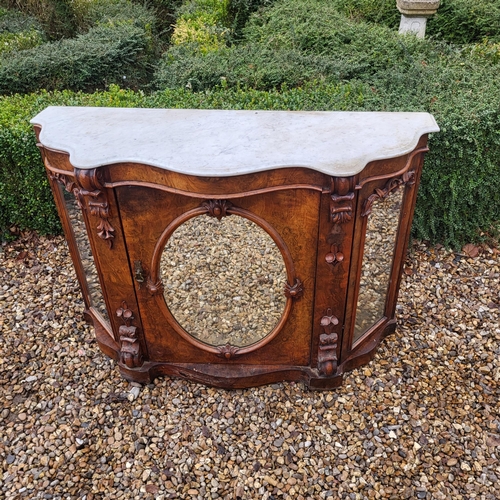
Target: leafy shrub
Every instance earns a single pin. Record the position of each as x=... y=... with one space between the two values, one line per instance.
x=165 y=14
x=56 y=16
x=285 y=43
x=117 y=49
x=248 y=66
x=14 y=21
x=380 y=12
x=465 y=21
x=460 y=190
x=104 y=55
x=202 y=24
x=201 y=32
x=113 y=12
x=239 y=12
x=20 y=41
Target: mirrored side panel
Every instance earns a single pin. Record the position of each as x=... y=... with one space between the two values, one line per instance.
x=381 y=231
x=81 y=239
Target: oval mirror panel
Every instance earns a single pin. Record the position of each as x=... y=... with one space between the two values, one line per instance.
x=224 y=280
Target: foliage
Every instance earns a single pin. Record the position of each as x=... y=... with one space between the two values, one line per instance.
x=239 y=11
x=165 y=14
x=382 y=12
x=202 y=24
x=56 y=16
x=460 y=190
x=101 y=56
x=293 y=42
x=14 y=21
x=91 y=13
x=117 y=49
x=466 y=21
x=20 y=41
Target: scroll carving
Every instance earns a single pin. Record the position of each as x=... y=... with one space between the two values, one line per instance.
x=68 y=183
x=294 y=291
x=341 y=202
x=227 y=351
x=327 y=351
x=407 y=179
x=92 y=196
x=217 y=208
x=130 y=351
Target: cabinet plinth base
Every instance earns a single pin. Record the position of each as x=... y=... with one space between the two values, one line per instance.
x=241 y=376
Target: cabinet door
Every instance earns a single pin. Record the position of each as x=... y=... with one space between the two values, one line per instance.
x=387 y=194
x=223 y=279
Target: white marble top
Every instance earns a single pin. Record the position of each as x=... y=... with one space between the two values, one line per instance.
x=219 y=143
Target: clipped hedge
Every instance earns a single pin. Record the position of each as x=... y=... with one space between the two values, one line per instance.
x=104 y=55
x=18 y=31
x=285 y=43
x=466 y=21
x=460 y=190
x=117 y=49
x=56 y=16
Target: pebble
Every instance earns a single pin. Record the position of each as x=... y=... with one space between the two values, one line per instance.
x=68 y=431
x=133 y=393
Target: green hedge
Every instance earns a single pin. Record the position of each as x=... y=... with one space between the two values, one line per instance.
x=117 y=49
x=56 y=16
x=466 y=21
x=102 y=56
x=287 y=42
x=460 y=190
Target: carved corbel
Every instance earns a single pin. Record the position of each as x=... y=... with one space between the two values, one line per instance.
x=92 y=196
x=407 y=179
x=341 y=201
x=327 y=350
x=130 y=351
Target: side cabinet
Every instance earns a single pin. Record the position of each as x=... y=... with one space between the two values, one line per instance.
x=235 y=276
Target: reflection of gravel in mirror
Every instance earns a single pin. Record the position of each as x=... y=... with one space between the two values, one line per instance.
x=224 y=280
x=83 y=244
x=381 y=232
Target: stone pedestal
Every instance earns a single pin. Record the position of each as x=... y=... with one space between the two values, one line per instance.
x=414 y=14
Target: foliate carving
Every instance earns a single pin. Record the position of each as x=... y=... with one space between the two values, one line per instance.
x=104 y=229
x=68 y=183
x=227 y=351
x=341 y=202
x=92 y=196
x=130 y=349
x=327 y=351
x=154 y=287
x=294 y=291
x=407 y=179
x=217 y=208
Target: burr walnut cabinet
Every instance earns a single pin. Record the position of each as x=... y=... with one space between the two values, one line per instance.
x=236 y=248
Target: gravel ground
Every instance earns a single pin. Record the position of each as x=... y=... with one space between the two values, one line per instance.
x=420 y=421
